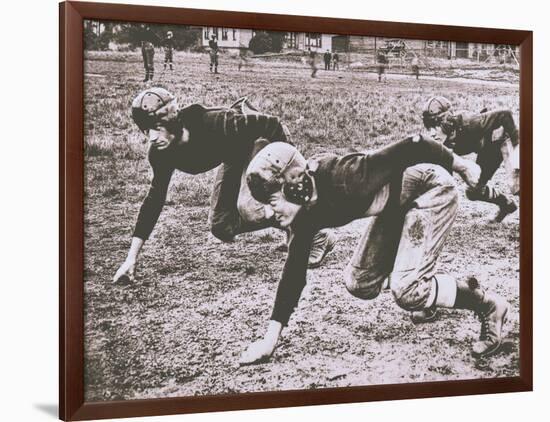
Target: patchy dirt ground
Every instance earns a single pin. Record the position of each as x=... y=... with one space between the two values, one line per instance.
x=180 y=329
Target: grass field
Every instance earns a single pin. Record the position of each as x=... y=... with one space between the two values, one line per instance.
x=196 y=305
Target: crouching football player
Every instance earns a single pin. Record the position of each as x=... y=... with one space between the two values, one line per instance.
x=467 y=133
x=196 y=139
x=409 y=190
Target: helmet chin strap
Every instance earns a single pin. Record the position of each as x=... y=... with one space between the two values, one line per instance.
x=314 y=195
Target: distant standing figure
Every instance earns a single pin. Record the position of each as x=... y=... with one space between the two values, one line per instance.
x=169 y=50
x=313 y=63
x=148 y=41
x=327 y=57
x=415 y=67
x=243 y=58
x=335 y=62
x=213 y=44
x=382 y=60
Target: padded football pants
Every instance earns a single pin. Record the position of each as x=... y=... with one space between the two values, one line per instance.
x=404 y=241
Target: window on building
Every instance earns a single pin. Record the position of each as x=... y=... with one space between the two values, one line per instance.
x=234 y=35
x=313 y=40
x=206 y=33
x=224 y=34
x=292 y=40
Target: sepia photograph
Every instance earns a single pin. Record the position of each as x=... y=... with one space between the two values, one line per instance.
x=271 y=211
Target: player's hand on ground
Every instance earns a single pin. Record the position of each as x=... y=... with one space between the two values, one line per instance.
x=261 y=350
x=258 y=352
x=468 y=170
x=126 y=272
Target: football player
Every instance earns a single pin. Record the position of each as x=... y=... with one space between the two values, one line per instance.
x=467 y=133
x=214 y=50
x=196 y=139
x=409 y=190
x=168 y=45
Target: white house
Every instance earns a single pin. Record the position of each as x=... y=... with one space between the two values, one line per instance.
x=309 y=40
x=227 y=37
x=240 y=38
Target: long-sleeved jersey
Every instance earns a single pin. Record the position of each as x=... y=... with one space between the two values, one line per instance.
x=470 y=132
x=168 y=44
x=146 y=35
x=213 y=45
x=347 y=186
x=216 y=135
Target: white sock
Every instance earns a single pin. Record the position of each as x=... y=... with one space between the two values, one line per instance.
x=446 y=291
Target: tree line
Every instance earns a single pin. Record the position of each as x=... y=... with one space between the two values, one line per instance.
x=98 y=35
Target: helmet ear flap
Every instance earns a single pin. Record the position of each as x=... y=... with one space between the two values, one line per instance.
x=142 y=119
x=153 y=105
x=260 y=188
x=430 y=121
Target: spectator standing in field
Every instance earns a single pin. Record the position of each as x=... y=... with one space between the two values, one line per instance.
x=169 y=50
x=335 y=62
x=213 y=44
x=382 y=61
x=312 y=62
x=415 y=67
x=148 y=40
x=327 y=57
x=243 y=58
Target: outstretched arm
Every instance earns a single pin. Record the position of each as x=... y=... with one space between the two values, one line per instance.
x=147 y=218
x=289 y=291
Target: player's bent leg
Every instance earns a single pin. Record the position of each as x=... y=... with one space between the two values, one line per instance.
x=411 y=280
x=223 y=216
x=434 y=200
x=490 y=158
x=362 y=284
x=373 y=258
x=492 y=195
x=323 y=242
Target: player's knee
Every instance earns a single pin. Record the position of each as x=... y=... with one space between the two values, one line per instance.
x=404 y=287
x=450 y=193
x=437 y=176
x=361 y=284
x=222 y=231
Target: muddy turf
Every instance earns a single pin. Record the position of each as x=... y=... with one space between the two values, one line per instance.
x=197 y=304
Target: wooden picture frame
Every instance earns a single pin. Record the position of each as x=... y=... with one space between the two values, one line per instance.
x=72 y=405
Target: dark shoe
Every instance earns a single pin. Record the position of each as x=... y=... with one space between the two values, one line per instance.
x=504 y=210
x=492 y=316
x=323 y=243
x=424 y=316
x=491 y=311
